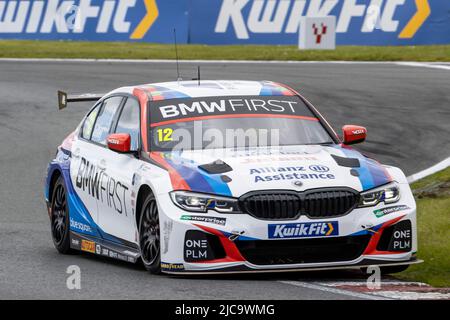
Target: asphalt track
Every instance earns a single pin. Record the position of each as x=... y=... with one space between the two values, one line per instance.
x=405 y=108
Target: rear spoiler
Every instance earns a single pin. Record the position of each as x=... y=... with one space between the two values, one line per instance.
x=64 y=98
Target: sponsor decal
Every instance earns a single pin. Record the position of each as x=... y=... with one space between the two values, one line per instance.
x=185 y=109
x=269 y=152
x=195 y=250
x=101 y=186
x=172 y=266
x=303 y=230
x=291 y=173
x=75 y=243
x=401 y=237
x=88 y=246
x=131 y=253
x=105 y=252
x=358 y=131
x=198 y=246
x=113 y=254
x=246 y=20
x=379 y=22
x=384 y=211
x=122 y=257
x=117 y=255
x=214 y=220
x=79 y=226
x=124 y=19
x=264 y=159
x=319 y=168
x=167 y=230
x=93 y=247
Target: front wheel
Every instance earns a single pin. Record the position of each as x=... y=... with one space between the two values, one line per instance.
x=60 y=218
x=149 y=235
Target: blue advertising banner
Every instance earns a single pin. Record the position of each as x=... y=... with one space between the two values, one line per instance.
x=359 y=22
x=95 y=20
x=374 y=22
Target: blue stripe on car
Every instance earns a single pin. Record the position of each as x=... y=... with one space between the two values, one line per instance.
x=197 y=180
x=371 y=173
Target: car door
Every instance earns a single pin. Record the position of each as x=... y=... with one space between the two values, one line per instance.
x=116 y=215
x=82 y=174
x=89 y=172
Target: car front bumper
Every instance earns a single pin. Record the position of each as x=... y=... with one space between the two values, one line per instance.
x=229 y=243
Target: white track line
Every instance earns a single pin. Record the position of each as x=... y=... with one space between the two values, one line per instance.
x=428 y=172
x=405 y=63
x=432 y=65
x=314 y=286
x=425 y=65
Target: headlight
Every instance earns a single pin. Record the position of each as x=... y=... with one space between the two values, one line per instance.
x=198 y=202
x=388 y=194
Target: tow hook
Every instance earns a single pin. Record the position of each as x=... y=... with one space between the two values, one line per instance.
x=235 y=234
x=368 y=227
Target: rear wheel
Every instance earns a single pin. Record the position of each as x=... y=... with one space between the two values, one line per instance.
x=60 y=218
x=149 y=235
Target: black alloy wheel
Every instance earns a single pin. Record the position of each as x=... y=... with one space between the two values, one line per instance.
x=149 y=235
x=60 y=218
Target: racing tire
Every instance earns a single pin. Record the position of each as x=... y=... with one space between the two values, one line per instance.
x=149 y=235
x=59 y=220
x=394 y=269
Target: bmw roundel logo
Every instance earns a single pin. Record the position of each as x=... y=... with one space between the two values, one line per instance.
x=319 y=168
x=298 y=183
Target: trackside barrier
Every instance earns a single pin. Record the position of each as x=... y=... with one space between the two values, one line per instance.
x=358 y=22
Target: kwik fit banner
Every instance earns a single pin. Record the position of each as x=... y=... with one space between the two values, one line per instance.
x=95 y=20
x=359 y=22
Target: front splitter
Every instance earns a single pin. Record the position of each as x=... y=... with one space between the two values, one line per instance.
x=234 y=270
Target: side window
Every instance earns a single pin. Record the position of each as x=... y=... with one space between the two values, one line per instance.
x=104 y=119
x=129 y=122
x=88 y=124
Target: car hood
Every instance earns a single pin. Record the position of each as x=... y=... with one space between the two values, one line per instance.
x=234 y=172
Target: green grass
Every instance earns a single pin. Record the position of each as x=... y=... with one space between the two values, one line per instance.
x=433 y=222
x=135 y=50
x=440 y=177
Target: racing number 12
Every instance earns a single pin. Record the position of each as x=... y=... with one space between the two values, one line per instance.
x=165 y=135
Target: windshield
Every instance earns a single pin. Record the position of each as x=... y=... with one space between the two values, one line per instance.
x=229 y=122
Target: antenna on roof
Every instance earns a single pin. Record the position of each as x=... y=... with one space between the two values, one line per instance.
x=198 y=76
x=176 y=54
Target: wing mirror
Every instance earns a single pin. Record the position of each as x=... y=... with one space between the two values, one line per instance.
x=354 y=134
x=119 y=142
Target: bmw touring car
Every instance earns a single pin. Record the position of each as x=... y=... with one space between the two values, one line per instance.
x=224 y=177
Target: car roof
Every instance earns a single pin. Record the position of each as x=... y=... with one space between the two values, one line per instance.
x=209 y=88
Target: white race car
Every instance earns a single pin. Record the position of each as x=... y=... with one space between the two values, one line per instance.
x=222 y=177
